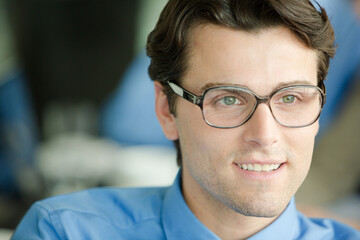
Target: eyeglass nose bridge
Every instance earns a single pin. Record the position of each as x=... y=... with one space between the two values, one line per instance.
x=260 y=100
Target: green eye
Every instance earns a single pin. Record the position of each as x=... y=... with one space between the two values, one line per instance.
x=229 y=100
x=288 y=99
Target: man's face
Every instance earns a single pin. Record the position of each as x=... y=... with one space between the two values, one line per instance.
x=260 y=62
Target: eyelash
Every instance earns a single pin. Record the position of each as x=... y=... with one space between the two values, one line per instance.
x=225 y=96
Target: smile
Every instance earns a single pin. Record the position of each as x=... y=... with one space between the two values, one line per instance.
x=259 y=167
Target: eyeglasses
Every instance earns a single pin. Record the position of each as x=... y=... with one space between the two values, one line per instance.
x=292 y=106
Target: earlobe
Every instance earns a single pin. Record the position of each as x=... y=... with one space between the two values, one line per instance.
x=165 y=117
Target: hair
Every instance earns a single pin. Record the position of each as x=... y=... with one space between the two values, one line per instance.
x=167 y=44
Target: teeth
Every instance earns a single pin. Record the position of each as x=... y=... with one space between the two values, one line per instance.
x=259 y=168
x=265 y=167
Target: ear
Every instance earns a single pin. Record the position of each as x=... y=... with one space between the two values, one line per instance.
x=166 y=119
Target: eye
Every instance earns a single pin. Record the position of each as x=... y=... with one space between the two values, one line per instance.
x=229 y=100
x=288 y=99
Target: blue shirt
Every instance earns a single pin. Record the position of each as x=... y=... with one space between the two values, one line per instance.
x=151 y=213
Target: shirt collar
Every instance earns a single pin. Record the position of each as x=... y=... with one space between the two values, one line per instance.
x=284 y=227
x=180 y=223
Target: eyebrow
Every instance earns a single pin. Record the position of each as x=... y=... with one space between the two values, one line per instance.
x=279 y=85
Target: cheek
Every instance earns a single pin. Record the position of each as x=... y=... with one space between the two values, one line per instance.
x=190 y=123
x=198 y=140
x=195 y=140
x=301 y=142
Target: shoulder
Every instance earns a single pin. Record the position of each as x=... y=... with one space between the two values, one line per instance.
x=113 y=212
x=325 y=228
x=124 y=202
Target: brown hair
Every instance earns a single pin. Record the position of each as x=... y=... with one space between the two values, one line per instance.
x=167 y=43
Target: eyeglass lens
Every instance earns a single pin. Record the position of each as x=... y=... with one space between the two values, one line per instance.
x=294 y=106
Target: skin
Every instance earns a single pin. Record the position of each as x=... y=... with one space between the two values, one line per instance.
x=357 y=8
x=231 y=202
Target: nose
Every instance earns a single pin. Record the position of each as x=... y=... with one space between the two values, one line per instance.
x=261 y=129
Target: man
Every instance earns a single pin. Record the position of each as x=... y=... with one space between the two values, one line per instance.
x=239 y=88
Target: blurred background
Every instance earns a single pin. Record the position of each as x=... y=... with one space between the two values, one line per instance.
x=77 y=109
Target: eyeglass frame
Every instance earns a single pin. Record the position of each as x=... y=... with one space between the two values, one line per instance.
x=199 y=100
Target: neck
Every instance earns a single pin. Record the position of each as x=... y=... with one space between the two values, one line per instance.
x=218 y=217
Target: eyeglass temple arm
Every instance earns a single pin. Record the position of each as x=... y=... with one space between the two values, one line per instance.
x=184 y=93
x=323 y=89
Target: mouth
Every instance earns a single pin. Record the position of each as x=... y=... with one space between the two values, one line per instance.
x=259 y=167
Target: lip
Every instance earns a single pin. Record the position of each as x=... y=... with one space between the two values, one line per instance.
x=261 y=176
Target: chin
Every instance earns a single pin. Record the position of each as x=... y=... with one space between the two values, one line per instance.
x=259 y=208
x=263 y=213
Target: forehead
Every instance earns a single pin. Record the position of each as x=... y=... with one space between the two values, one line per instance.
x=259 y=61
